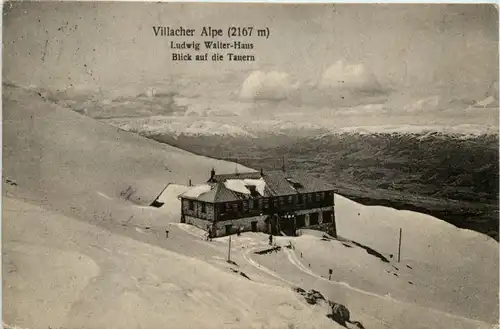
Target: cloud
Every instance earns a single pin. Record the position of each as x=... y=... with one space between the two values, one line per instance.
x=349 y=77
x=339 y=85
x=428 y=104
x=272 y=86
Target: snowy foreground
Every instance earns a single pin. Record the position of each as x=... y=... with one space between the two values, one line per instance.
x=77 y=254
x=61 y=272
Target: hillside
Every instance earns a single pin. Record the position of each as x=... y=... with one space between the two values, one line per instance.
x=80 y=253
x=63 y=273
x=75 y=161
x=65 y=230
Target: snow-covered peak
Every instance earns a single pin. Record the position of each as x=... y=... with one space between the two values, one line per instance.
x=464 y=130
x=176 y=126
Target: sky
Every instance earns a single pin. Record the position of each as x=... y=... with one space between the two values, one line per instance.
x=316 y=57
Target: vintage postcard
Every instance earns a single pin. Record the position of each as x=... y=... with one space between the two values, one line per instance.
x=250 y=166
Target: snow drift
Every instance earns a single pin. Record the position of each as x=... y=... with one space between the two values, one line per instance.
x=240 y=185
x=196 y=191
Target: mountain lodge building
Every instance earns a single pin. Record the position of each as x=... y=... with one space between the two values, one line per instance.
x=273 y=202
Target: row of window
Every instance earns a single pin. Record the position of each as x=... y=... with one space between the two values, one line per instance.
x=203 y=206
x=281 y=201
x=264 y=203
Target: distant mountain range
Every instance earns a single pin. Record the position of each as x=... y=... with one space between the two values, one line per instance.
x=193 y=126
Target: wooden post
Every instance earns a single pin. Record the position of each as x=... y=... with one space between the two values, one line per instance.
x=229 y=250
x=399 y=248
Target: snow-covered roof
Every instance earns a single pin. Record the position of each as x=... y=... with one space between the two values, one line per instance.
x=196 y=191
x=236 y=185
x=240 y=185
x=279 y=182
x=260 y=184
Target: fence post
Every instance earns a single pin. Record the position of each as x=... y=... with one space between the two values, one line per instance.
x=399 y=248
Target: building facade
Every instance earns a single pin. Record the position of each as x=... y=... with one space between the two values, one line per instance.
x=272 y=202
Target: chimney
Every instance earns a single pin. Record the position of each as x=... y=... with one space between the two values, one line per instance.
x=190 y=182
x=212 y=174
x=261 y=172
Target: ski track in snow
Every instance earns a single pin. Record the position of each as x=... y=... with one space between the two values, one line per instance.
x=200 y=238
x=301 y=267
x=295 y=261
x=104 y=195
x=262 y=268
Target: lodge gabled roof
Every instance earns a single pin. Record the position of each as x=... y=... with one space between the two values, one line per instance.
x=277 y=183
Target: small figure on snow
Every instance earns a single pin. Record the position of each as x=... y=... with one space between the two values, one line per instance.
x=167 y=231
x=209 y=233
x=270 y=239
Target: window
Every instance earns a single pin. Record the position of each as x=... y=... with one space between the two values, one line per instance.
x=245 y=206
x=316 y=197
x=290 y=199
x=281 y=200
x=256 y=203
x=266 y=203
x=228 y=207
x=294 y=183
x=191 y=205
x=203 y=208
x=309 y=198
x=253 y=190
x=322 y=196
x=301 y=198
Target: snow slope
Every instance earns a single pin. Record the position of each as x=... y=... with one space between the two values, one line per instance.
x=65 y=273
x=69 y=147
x=80 y=164
x=76 y=255
x=450 y=269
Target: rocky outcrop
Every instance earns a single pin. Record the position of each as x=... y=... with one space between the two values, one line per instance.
x=338 y=312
